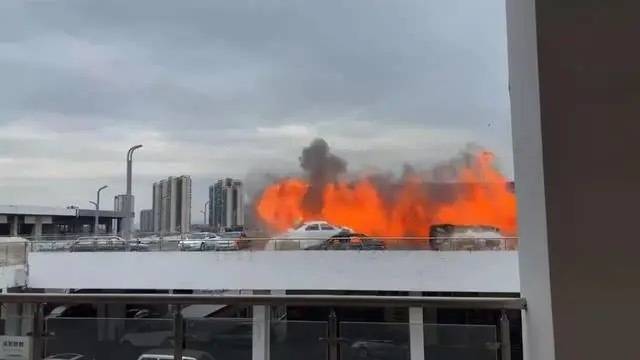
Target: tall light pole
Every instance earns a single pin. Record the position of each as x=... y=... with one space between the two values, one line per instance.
x=97 y=205
x=129 y=201
x=206 y=207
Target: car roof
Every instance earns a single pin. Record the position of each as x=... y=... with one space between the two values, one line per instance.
x=66 y=356
x=185 y=352
x=313 y=222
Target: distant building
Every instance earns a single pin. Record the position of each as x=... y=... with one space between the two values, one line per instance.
x=120 y=202
x=146 y=220
x=172 y=205
x=226 y=204
x=37 y=221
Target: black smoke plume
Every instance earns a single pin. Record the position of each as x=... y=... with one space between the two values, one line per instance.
x=322 y=167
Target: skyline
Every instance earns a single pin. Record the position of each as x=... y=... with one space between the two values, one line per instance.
x=237 y=89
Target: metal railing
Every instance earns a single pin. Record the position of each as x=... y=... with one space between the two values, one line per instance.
x=279 y=244
x=177 y=324
x=496 y=303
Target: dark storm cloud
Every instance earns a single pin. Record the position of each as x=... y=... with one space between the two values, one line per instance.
x=272 y=60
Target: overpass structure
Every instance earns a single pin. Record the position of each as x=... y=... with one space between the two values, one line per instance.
x=37 y=221
x=266 y=274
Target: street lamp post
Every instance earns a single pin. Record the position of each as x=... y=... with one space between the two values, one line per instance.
x=97 y=205
x=206 y=207
x=129 y=202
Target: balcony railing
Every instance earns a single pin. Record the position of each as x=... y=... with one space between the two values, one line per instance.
x=114 y=243
x=262 y=336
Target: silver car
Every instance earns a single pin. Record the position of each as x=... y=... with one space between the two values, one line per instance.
x=99 y=243
x=227 y=242
x=199 y=242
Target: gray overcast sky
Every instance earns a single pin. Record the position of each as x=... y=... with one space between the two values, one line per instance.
x=238 y=87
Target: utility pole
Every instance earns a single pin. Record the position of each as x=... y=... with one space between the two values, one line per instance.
x=129 y=201
x=97 y=205
x=206 y=207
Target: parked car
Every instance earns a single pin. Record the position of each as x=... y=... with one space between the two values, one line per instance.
x=167 y=354
x=379 y=349
x=199 y=242
x=72 y=311
x=68 y=356
x=149 y=334
x=227 y=244
x=99 y=243
x=50 y=245
x=348 y=240
x=140 y=313
x=239 y=236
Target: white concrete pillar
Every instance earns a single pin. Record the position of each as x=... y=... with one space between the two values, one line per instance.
x=37 y=228
x=261 y=349
x=279 y=312
x=14 y=226
x=416 y=333
x=575 y=117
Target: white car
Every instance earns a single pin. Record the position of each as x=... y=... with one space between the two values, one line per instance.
x=67 y=356
x=227 y=242
x=167 y=354
x=199 y=242
x=307 y=234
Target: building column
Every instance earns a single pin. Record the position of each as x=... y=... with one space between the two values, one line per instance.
x=278 y=312
x=261 y=349
x=14 y=226
x=37 y=228
x=576 y=118
x=416 y=331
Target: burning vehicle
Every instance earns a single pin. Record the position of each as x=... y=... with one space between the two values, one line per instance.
x=303 y=236
x=349 y=240
x=465 y=237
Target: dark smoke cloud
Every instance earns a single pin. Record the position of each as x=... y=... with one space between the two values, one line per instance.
x=322 y=167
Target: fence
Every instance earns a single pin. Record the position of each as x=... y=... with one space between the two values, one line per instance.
x=260 y=336
x=115 y=243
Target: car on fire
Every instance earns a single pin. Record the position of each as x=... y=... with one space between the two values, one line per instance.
x=465 y=237
x=307 y=234
x=349 y=240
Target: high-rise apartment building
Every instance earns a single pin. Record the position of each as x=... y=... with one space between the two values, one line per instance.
x=172 y=205
x=226 y=204
x=120 y=202
x=146 y=220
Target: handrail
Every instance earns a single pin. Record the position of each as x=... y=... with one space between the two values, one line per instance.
x=306 y=300
x=48 y=238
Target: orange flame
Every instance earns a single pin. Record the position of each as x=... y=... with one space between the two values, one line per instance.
x=483 y=198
